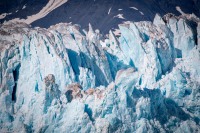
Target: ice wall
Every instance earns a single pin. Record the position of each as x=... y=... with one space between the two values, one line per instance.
x=63 y=79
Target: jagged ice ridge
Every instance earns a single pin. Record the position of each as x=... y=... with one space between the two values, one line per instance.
x=63 y=79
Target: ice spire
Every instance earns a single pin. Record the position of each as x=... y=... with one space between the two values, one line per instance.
x=91 y=33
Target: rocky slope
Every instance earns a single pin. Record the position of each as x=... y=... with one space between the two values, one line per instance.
x=63 y=79
x=102 y=14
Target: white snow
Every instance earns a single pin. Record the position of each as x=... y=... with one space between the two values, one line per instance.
x=109 y=10
x=141 y=13
x=51 y=5
x=119 y=16
x=137 y=10
x=133 y=8
x=2 y=15
x=179 y=10
x=24 y=7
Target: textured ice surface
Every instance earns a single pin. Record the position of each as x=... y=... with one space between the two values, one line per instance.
x=63 y=79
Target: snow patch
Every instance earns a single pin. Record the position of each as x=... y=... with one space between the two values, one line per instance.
x=24 y=7
x=51 y=5
x=2 y=16
x=133 y=8
x=109 y=10
x=141 y=13
x=179 y=10
x=119 y=16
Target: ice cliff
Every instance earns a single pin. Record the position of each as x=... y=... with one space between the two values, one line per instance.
x=63 y=79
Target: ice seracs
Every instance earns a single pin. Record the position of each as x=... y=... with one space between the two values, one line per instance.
x=62 y=79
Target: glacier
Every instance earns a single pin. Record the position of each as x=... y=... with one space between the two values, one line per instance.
x=64 y=79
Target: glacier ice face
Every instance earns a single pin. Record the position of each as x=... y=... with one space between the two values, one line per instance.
x=198 y=34
x=64 y=79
